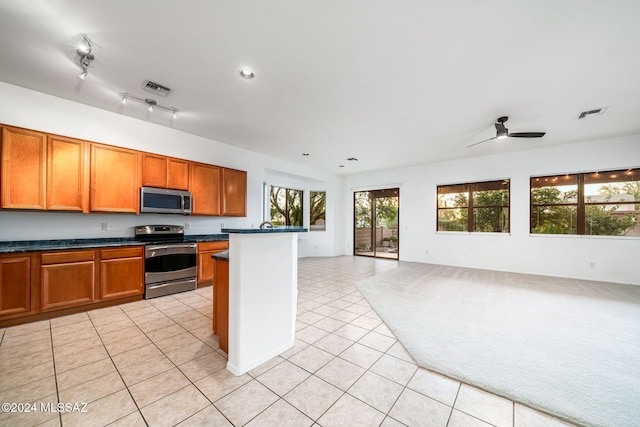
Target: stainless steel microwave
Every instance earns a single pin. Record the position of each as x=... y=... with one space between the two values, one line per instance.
x=160 y=200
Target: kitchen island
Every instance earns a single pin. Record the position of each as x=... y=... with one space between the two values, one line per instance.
x=263 y=291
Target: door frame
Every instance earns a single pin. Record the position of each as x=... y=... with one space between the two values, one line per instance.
x=377 y=194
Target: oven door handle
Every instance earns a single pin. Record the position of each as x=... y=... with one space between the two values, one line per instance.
x=161 y=250
x=164 y=285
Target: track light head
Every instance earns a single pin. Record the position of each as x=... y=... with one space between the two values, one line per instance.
x=85 y=56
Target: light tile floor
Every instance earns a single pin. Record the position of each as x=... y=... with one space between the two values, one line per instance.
x=156 y=363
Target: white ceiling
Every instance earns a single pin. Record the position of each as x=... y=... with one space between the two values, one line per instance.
x=392 y=83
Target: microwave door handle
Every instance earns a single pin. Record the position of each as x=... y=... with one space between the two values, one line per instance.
x=182 y=202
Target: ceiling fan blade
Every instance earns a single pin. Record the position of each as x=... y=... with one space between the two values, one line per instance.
x=527 y=135
x=476 y=143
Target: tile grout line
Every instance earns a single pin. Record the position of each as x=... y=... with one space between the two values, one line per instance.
x=454 y=402
x=55 y=372
x=174 y=364
x=118 y=371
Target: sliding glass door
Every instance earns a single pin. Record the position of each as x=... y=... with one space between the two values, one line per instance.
x=376 y=231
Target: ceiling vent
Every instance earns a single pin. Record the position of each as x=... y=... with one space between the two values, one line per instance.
x=596 y=112
x=155 y=88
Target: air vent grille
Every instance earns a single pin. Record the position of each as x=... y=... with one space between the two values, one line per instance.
x=596 y=112
x=156 y=88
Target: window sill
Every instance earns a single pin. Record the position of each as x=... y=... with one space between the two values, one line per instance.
x=583 y=236
x=474 y=233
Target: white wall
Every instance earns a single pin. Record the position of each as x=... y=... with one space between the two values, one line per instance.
x=615 y=258
x=567 y=256
x=34 y=110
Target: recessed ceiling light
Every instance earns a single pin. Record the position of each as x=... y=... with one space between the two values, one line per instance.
x=245 y=73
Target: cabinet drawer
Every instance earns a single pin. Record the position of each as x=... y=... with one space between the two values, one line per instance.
x=64 y=257
x=132 y=252
x=208 y=246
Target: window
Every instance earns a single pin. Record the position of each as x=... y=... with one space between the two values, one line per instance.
x=285 y=206
x=474 y=207
x=595 y=203
x=318 y=211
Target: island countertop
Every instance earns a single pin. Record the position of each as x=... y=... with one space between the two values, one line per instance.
x=221 y=256
x=282 y=229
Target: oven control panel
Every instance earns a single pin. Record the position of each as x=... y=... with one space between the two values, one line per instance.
x=149 y=230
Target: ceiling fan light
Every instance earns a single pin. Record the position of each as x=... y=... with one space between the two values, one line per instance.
x=504 y=136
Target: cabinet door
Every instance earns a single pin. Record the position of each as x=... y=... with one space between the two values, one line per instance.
x=24 y=156
x=15 y=285
x=234 y=192
x=154 y=170
x=121 y=272
x=177 y=174
x=221 y=305
x=205 y=189
x=206 y=271
x=115 y=179
x=68 y=279
x=67 y=174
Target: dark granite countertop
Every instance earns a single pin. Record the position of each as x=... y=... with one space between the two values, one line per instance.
x=60 y=244
x=221 y=256
x=281 y=229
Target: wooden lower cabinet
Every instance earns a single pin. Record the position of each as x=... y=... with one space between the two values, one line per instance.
x=206 y=270
x=121 y=272
x=221 y=304
x=15 y=285
x=68 y=279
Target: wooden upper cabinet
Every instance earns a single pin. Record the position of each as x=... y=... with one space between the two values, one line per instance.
x=24 y=156
x=177 y=174
x=67 y=174
x=205 y=189
x=51 y=172
x=154 y=170
x=115 y=179
x=164 y=172
x=234 y=192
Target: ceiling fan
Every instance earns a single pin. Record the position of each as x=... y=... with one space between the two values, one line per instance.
x=502 y=132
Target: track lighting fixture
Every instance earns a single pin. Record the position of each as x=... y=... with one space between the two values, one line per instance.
x=151 y=104
x=84 y=52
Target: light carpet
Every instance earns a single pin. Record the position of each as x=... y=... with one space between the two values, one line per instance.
x=570 y=348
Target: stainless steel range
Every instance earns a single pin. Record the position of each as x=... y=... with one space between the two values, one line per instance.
x=169 y=262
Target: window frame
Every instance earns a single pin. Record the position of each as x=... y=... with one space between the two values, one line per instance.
x=470 y=188
x=314 y=227
x=287 y=208
x=581 y=203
